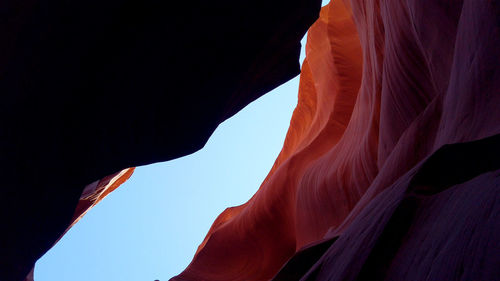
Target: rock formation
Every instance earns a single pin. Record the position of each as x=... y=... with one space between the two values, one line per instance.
x=391 y=166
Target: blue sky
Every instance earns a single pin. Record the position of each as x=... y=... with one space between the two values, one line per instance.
x=149 y=228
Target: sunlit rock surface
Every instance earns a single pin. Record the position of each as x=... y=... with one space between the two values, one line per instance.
x=98 y=190
x=93 y=194
x=391 y=166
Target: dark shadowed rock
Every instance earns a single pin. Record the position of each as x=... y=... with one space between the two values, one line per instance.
x=92 y=87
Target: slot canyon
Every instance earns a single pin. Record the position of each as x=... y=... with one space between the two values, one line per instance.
x=390 y=169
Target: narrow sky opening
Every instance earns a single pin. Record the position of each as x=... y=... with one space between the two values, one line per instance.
x=149 y=228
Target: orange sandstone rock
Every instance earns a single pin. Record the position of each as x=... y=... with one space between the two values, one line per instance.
x=392 y=151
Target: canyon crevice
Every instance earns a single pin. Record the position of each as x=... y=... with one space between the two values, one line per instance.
x=390 y=169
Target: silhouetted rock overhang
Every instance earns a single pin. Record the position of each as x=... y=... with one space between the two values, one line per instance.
x=93 y=87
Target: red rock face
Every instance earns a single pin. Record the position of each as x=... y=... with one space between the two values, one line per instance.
x=96 y=191
x=391 y=167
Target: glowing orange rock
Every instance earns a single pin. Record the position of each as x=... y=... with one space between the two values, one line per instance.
x=252 y=241
x=96 y=191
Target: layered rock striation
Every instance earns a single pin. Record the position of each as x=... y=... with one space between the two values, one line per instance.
x=391 y=166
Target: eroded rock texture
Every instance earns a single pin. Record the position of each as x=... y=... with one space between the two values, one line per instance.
x=90 y=88
x=391 y=166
